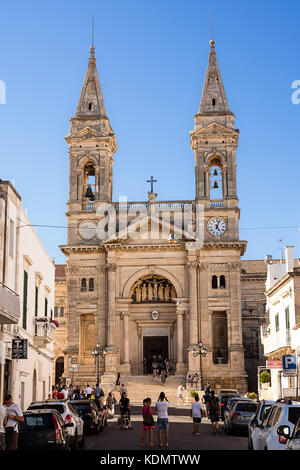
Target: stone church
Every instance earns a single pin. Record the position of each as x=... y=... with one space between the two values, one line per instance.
x=159 y=277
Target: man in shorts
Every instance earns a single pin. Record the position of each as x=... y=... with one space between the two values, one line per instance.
x=196 y=415
x=214 y=411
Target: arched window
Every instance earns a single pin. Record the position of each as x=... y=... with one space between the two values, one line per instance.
x=222 y=282
x=215 y=181
x=213 y=102
x=91 y=284
x=90 y=106
x=62 y=311
x=89 y=182
x=214 y=282
x=55 y=311
x=83 y=285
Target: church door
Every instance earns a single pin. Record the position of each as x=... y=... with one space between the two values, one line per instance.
x=155 y=346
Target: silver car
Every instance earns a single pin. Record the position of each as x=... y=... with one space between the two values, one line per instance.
x=239 y=415
x=263 y=409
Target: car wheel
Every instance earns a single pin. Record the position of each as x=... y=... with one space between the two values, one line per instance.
x=75 y=443
x=82 y=442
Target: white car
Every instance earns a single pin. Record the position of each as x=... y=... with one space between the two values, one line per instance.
x=70 y=416
x=254 y=424
x=271 y=433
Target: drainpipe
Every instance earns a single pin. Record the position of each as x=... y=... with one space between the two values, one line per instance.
x=4 y=241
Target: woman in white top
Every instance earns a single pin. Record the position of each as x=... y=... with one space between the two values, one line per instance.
x=162 y=406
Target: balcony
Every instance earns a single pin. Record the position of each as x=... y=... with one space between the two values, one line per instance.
x=216 y=203
x=273 y=341
x=9 y=306
x=44 y=332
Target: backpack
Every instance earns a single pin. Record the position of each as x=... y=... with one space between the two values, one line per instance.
x=213 y=405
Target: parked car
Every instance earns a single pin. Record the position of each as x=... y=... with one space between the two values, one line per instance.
x=262 y=410
x=293 y=442
x=224 y=395
x=69 y=415
x=43 y=430
x=271 y=434
x=239 y=415
x=92 y=416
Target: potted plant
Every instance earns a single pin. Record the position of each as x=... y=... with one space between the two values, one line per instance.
x=265 y=379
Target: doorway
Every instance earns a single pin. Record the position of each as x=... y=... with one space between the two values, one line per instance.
x=155 y=346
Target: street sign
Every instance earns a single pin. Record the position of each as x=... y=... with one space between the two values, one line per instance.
x=19 y=349
x=289 y=365
x=274 y=364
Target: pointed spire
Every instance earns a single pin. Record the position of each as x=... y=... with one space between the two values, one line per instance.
x=213 y=99
x=91 y=101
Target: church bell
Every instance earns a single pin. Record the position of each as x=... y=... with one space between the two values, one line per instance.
x=89 y=193
x=215 y=185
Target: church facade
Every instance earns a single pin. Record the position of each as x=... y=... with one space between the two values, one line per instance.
x=154 y=277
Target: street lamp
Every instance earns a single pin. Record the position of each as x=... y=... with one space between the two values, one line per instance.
x=200 y=351
x=97 y=352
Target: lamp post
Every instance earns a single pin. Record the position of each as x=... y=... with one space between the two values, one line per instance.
x=200 y=351
x=97 y=352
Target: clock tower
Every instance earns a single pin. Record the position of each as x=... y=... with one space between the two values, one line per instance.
x=214 y=141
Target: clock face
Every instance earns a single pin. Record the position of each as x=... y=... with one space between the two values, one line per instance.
x=216 y=227
x=87 y=230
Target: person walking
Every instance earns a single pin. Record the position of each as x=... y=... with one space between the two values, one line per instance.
x=205 y=401
x=125 y=408
x=118 y=380
x=180 y=394
x=214 y=411
x=14 y=416
x=163 y=376
x=3 y=422
x=162 y=406
x=148 y=422
x=123 y=389
x=98 y=393
x=196 y=415
x=154 y=367
x=110 y=403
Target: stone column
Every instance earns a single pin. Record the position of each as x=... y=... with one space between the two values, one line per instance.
x=180 y=362
x=193 y=362
x=111 y=356
x=125 y=316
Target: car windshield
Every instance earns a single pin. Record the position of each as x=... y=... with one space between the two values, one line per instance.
x=294 y=414
x=37 y=421
x=246 y=407
x=84 y=407
x=48 y=406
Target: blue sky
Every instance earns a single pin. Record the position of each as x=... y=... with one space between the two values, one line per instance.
x=152 y=57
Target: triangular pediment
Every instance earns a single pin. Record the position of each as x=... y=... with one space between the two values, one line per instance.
x=86 y=133
x=151 y=230
x=214 y=128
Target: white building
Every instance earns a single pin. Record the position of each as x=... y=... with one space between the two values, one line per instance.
x=282 y=335
x=26 y=294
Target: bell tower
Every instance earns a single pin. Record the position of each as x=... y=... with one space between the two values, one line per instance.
x=214 y=141
x=92 y=144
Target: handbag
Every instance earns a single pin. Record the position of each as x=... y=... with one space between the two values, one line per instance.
x=148 y=419
x=10 y=429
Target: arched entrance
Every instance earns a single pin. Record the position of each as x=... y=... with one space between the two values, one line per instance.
x=152 y=316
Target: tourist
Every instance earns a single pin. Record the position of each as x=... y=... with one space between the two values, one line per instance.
x=205 y=401
x=88 y=390
x=167 y=366
x=196 y=380
x=162 y=405
x=123 y=389
x=118 y=380
x=3 y=422
x=196 y=415
x=163 y=376
x=60 y=395
x=160 y=364
x=154 y=367
x=190 y=380
x=54 y=393
x=125 y=407
x=180 y=394
x=65 y=392
x=98 y=393
x=148 y=422
x=110 y=403
x=214 y=411
x=145 y=368
x=14 y=416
